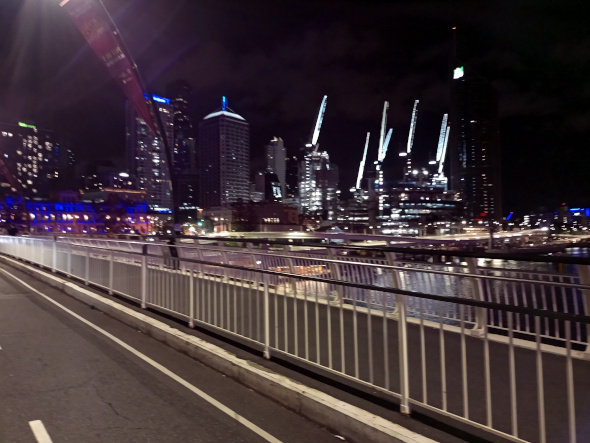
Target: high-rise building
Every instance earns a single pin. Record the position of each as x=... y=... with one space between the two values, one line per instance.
x=184 y=154
x=146 y=157
x=180 y=94
x=475 y=145
x=292 y=181
x=276 y=156
x=318 y=186
x=224 y=158
x=33 y=157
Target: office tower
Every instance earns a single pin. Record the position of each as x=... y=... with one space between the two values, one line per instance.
x=475 y=145
x=292 y=180
x=318 y=186
x=224 y=158
x=180 y=94
x=184 y=156
x=276 y=155
x=146 y=158
x=33 y=157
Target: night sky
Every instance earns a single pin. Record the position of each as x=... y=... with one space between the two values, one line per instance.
x=275 y=60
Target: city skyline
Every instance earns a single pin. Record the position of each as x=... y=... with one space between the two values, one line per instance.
x=276 y=74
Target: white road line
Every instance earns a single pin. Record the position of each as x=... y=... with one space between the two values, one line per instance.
x=39 y=431
x=261 y=432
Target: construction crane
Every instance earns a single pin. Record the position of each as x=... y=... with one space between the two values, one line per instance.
x=383 y=151
x=444 y=150
x=441 y=138
x=383 y=125
x=408 y=153
x=439 y=179
x=315 y=134
x=362 y=165
x=412 y=127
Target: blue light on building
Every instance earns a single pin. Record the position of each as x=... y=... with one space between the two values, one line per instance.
x=159 y=99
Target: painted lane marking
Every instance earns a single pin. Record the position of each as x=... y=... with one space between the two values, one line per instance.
x=39 y=431
x=245 y=422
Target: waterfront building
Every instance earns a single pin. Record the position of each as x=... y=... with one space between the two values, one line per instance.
x=224 y=158
x=146 y=157
x=33 y=157
x=71 y=216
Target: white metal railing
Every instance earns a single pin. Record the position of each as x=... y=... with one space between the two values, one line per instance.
x=462 y=338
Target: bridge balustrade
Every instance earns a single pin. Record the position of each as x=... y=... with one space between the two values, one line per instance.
x=500 y=345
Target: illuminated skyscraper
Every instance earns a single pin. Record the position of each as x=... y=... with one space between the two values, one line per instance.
x=475 y=145
x=180 y=93
x=33 y=156
x=224 y=158
x=146 y=156
x=276 y=161
x=184 y=155
x=318 y=186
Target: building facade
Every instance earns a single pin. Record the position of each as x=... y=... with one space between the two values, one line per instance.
x=184 y=155
x=146 y=157
x=318 y=186
x=224 y=158
x=475 y=146
x=33 y=157
x=276 y=162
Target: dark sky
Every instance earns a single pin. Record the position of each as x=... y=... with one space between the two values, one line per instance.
x=274 y=60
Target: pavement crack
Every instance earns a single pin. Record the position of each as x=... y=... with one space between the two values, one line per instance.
x=115 y=411
x=110 y=405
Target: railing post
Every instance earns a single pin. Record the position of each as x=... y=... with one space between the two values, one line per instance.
x=403 y=354
x=54 y=258
x=293 y=285
x=266 y=319
x=584 y=274
x=111 y=272
x=69 y=260
x=87 y=267
x=225 y=262
x=335 y=275
x=144 y=277
x=400 y=313
x=397 y=283
x=191 y=300
x=480 y=313
x=250 y=247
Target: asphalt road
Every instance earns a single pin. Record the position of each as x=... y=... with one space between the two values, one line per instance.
x=84 y=387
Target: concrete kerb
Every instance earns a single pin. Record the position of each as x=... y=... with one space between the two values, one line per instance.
x=347 y=420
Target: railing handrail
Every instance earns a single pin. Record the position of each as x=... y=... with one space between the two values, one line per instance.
x=327 y=260
x=522 y=256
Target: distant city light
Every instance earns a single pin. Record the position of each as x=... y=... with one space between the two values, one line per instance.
x=458 y=73
x=223 y=103
x=24 y=125
x=123 y=174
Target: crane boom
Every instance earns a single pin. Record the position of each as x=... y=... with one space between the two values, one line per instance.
x=444 y=151
x=318 y=124
x=383 y=125
x=362 y=165
x=412 y=127
x=441 y=138
x=385 y=145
